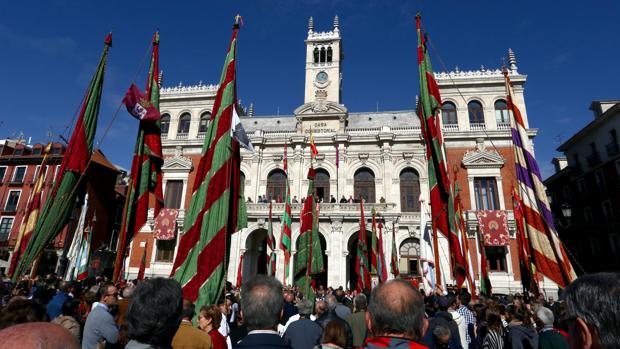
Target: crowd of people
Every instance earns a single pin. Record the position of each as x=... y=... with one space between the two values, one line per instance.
x=53 y=313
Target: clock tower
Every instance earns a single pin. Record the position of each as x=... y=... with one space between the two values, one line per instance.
x=323 y=58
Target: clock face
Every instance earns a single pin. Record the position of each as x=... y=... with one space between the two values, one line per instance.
x=321 y=77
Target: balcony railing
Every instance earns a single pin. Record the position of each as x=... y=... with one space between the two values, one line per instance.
x=450 y=128
x=324 y=208
x=503 y=126
x=478 y=127
x=182 y=135
x=612 y=148
x=201 y=135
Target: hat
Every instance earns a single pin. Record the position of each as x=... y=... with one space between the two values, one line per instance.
x=442 y=301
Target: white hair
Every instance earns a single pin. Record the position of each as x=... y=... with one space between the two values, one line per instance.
x=545 y=315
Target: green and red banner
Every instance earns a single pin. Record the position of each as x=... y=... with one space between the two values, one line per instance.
x=372 y=251
x=146 y=176
x=285 y=233
x=142 y=268
x=202 y=258
x=381 y=269
x=271 y=246
x=394 y=257
x=441 y=198
x=69 y=186
x=361 y=259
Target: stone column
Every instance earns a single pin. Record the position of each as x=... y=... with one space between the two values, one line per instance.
x=335 y=258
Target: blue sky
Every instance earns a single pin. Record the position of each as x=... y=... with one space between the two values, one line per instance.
x=50 y=48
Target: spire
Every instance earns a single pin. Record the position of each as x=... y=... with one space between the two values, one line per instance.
x=310 y=25
x=251 y=110
x=336 y=24
x=512 y=61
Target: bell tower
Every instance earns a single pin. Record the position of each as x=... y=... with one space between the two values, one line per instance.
x=323 y=58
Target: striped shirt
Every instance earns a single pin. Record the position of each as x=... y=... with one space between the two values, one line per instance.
x=493 y=340
x=470 y=319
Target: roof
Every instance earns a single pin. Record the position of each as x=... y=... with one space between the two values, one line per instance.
x=600 y=120
x=99 y=158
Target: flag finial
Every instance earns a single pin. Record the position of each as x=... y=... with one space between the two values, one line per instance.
x=311 y=24
x=512 y=60
x=336 y=22
x=418 y=15
x=108 y=39
x=238 y=21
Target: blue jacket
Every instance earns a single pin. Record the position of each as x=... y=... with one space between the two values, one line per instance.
x=54 y=307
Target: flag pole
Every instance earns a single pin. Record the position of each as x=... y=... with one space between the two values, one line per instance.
x=121 y=248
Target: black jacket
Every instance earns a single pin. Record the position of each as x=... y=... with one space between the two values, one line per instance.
x=261 y=341
x=443 y=318
x=329 y=316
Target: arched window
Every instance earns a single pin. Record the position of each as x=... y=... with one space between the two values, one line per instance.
x=204 y=122
x=165 y=124
x=321 y=185
x=315 y=53
x=364 y=185
x=322 y=60
x=476 y=115
x=276 y=185
x=409 y=257
x=409 y=191
x=184 y=122
x=448 y=113
x=329 y=54
x=501 y=112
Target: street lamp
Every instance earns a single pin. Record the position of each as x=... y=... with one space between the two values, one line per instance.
x=567 y=212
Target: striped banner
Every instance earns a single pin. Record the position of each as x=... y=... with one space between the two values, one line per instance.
x=548 y=253
x=271 y=246
x=285 y=234
x=202 y=258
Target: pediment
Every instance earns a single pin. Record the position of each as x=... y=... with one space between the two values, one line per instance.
x=321 y=107
x=483 y=159
x=177 y=163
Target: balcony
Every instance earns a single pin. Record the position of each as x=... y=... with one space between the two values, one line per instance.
x=326 y=209
x=612 y=148
x=503 y=126
x=182 y=135
x=593 y=159
x=478 y=127
x=450 y=128
x=201 y=135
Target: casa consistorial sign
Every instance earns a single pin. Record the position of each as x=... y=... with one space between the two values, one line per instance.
x=321 y=126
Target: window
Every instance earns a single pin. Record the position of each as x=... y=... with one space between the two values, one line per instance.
x=2 y=173
x=614 y=242
x=485 y=189
x=12 y=201
x=184 y=122
x=448 y=114
x=321 y=185
x=56 y=172
x=501 y=112
x=315 y=54
x=364 y=185
x=587 y=215
x=409 y=257
x=18 y=151
x=566 y=194
x=164 y=124
x=204 y=122
x=599 y=177
x=329 y=54
x=6 y=223
x=409 y=191
x=496 y=258
x=37 y=150
x=608 y=212
x=322 y=58
x=57 y=149
x=165 y=250
x=595 y=247
x=276 y=185
x=581 y=187
x=174 y=194
x=18 y=175
x=36 y=173
x=618 y=167
x=476 y=115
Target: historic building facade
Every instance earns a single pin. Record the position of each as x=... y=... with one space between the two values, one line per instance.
x=379 y=156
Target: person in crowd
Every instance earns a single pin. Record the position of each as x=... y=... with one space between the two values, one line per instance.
x=396 y=316
x=209 y=321
x=100 y=325
x=187 y=336
x=261 y=309
x=20 y=310
x=357 y=320
x=549 y=337
x=37 y=335
x=249 y=200
x=154 y=314
x=343 y=200
x=593 y=311
x=334 y=336
x=441 y=337
x=62 y=295
x=521 y=333
x=351 y=199
x=303 y=333
x=289 y=306
x=67 y=319
x=330 y=315
x=282 y=329
x=382 y=200
x=341 y=310
x=494 y=336
x=463 y=301
x=239 y=331
x=233 y=310
x=443 y=318
x=332 y=199
x=461 y=323
x=224 y=327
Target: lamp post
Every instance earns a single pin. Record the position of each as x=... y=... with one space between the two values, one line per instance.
x=567 y=212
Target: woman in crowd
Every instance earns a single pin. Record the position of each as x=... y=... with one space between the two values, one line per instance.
x=68 y=317
x=334 y=336
x=209 y=321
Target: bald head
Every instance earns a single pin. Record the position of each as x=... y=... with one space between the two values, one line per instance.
x=37 y=335
x=397 y=309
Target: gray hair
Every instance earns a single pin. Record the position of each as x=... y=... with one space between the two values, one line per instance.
x=332 y=302
x=361 y=302
x=128 y=291
x=304 y=307
x=441 y=331
x=545 y=315
x=595 y=298
x=261 y=302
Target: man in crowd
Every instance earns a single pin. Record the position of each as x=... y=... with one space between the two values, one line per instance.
x=154 y=314
x=470 y=319
x=357 y=320
x=396 y=316
x=188 y=336
x=303 y=333
x=261 y=309
x=289 y=306
x=100 y=325
x=341 y=310
x=549 y=337
x=593 y=311
x=330 y=315
x=62 y=295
